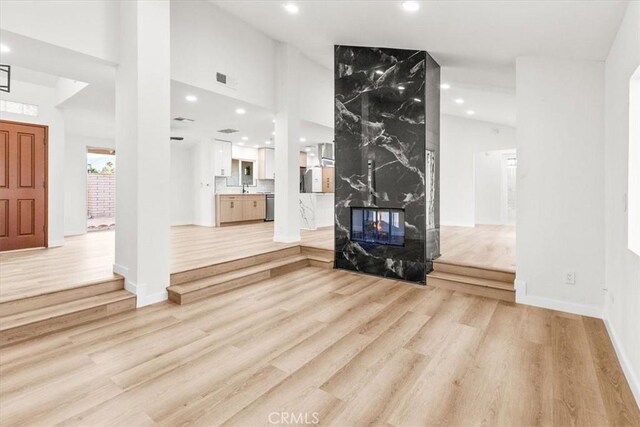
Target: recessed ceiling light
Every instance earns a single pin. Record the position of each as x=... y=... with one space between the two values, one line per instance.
x=417 y=99
x=379 y=72
x=400 y=87
x=410 y=6
x=273 y=121
x=191 y=98
x=256 y=146
x=4 y=48
x=459 y=101
x=245 y=138
x=268 y=142
x=220 y=151
x=312 y=155
x=273 y=133
x=307 y=149
x=303 y=139
x=240 y=143
x=470 y=112
x=240 y=110
x=291 y=8
x=445 y=86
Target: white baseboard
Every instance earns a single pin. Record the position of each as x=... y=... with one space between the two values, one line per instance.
x=55 y=243
x=286 y=239
x=553 y=304
x=457 y=224
x=627 y=368
x=120 y=269
x=142 y=297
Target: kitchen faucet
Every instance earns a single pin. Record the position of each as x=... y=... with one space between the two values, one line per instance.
x=243 y=190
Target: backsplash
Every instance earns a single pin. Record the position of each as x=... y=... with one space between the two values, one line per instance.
x=263 y=186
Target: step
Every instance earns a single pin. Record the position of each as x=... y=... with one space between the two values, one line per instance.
x=220 y=283
x=233 y=265
x=472 y=285
x=30 y=324
x=322 y=258
x=84 y=290
x=490 y=273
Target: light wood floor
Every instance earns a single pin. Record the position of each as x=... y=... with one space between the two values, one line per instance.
x=88 y=258
x=488 y=246
x=349 y=349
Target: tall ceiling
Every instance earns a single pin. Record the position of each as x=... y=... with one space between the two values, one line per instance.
x=475 y=42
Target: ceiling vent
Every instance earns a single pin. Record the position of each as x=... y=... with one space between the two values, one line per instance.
x=228 y=130
x=221 y=140
x=226 y=80
x=176 y=138
x=183 y=119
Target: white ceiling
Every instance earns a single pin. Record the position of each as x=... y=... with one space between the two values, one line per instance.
x=213 y=112
x=475 y=42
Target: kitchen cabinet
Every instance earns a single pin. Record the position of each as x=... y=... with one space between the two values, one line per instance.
x=328 y=180
x=266 y=163
x=221 y=161
x=303 y=159
x=239 y=208
x=253 y=208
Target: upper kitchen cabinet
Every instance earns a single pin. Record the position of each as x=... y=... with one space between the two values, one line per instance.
x=221 y=158
x=266 y=163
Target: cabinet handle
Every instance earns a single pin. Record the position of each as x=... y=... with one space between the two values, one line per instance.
x=231 y=205
x=221 y=171
x=255 y=204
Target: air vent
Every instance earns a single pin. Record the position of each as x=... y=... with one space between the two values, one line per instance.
x=228 y=130
x=176 y=138
x=183 y=119
x=221 y=140
x=221 y=78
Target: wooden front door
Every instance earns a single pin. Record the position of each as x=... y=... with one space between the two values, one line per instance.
x=23 y=186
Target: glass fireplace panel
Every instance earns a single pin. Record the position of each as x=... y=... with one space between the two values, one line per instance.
x=378 y=225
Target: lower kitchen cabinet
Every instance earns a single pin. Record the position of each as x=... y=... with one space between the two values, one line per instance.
x=239 y=208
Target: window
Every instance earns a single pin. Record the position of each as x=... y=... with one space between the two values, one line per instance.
x=19 y=108
x=633 y=210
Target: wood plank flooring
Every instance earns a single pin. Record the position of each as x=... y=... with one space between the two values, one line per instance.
x=89 y=258
x=332 y=346
x=489 y=246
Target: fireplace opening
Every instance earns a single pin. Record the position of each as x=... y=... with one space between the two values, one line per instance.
x=383 y=226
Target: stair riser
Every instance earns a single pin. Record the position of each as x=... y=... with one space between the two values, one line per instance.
x=212 y=270
x=47 y=300
x=219 y=288
x=317 y=252
x=321 y=264
x=472 y=289
x=500 y=276
x=36 y=329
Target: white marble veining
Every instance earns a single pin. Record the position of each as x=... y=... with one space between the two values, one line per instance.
x=316 y=210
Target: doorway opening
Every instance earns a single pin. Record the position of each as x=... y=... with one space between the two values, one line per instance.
x=101 y=189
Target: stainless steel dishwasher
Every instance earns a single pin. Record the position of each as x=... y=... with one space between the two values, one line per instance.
x=270 y=206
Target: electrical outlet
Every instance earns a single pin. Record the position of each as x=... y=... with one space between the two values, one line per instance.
x=570 y=278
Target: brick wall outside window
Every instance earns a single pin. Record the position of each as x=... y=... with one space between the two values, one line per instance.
x=101 y=198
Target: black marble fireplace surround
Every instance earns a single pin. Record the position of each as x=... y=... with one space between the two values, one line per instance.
x=386 y=158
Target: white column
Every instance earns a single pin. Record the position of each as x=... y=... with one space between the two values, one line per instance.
x=287 y=179
x=143 y=149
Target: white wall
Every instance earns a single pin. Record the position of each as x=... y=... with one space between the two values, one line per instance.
x=460 y=139
x=560 y=182
x=182 y=179
x=49 y=115
x=489 y=192
x=622 y=267
x=206 y=40
x=89 y=27
x=203 y=184
x=75 y=180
